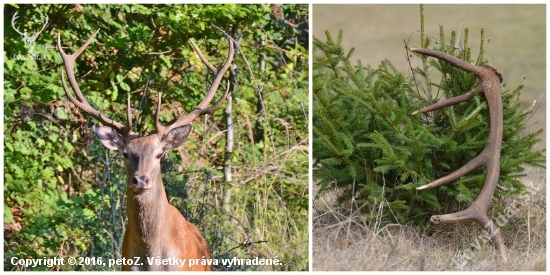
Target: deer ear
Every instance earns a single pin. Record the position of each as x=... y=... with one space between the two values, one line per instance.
x=109 y=137
x=176 y=137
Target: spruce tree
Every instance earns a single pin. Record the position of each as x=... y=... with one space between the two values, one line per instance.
x=367 y=145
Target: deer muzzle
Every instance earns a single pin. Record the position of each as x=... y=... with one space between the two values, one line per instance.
x=141 y=182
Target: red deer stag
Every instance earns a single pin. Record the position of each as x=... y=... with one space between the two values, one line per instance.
x=157 y=237
x=489 y=84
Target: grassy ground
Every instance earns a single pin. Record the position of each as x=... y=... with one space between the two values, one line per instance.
x=342 y=241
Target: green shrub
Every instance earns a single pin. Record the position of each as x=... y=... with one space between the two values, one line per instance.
x=368 y=146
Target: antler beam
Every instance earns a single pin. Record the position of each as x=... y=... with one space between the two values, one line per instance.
x=489 y=84
x=80 y=101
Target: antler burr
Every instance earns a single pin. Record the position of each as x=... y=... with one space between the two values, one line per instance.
x=489 y=84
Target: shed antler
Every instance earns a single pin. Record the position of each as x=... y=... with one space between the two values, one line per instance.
x=489 y=84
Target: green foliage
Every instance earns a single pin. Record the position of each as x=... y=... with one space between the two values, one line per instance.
x=368 y=146
x=64 y=192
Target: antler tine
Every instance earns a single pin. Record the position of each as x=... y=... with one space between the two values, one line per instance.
x=81 y=102
x=201 y=108
x=203 y=58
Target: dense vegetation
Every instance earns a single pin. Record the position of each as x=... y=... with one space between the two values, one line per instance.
x=65 y=193
x=370 y=149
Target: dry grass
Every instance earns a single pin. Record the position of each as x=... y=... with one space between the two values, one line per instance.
x=341 y=242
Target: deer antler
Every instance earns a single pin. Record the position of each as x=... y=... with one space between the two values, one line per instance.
x=81 y=102
x=126 y=130
x=489 y=84
x=201 y=109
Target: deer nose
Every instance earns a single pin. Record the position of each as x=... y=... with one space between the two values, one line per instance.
x=141 y=182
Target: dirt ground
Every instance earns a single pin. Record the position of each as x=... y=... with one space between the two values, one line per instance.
x=517 y=48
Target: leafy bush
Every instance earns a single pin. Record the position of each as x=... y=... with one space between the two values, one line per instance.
x=64 y=192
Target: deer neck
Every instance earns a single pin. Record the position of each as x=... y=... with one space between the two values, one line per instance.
x=146 y=211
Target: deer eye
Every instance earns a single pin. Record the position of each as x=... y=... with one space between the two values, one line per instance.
x=159 y=155
x=125 y=155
